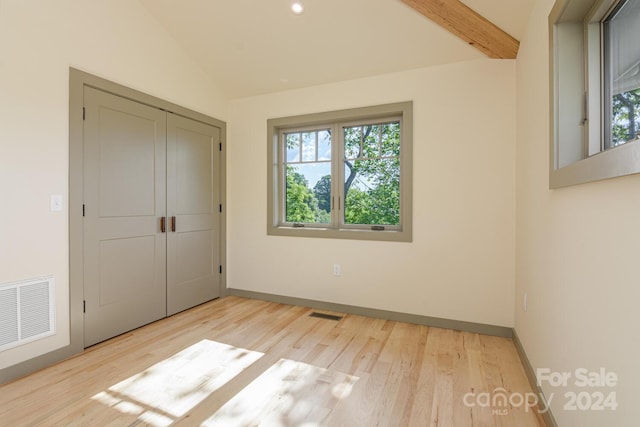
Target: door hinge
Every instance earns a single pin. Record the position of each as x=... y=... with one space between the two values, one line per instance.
x=220 y=269
x=83 y=210
x=84 y=306
x=220 y=207
x=84 y=113
x=221 y=146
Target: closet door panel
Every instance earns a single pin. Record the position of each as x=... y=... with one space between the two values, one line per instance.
x=124 y=198
x=193 y=245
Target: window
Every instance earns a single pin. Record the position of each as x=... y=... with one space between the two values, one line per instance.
x=621 y=47
x=595 y=81
x=342 y=174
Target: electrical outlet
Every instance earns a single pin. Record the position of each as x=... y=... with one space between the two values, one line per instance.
x=337 y=271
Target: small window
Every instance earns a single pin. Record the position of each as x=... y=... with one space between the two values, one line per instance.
x=342 y=174
x=621 y=49
x=595 y=80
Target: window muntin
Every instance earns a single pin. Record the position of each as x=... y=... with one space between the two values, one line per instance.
x=309 y=158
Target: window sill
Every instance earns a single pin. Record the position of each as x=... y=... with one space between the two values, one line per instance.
x=349 y=234
x=620 y=161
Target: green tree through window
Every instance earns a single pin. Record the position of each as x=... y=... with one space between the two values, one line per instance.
x=302 y=205
x=372 y=174
x=322 y=191
x=625 y=125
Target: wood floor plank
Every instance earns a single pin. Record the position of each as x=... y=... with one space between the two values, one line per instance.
x=209 y=364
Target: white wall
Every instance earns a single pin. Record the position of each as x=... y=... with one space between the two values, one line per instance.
x=39 y=40
x=461 y=262
x=577 y=256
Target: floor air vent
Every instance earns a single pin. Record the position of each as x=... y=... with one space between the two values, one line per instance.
x=325 y=316
x=27 y=311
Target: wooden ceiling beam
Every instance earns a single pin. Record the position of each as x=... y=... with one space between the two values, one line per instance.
x=467 y=24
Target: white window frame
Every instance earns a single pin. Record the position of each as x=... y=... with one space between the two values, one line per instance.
x=577 y=141
x=337 y=120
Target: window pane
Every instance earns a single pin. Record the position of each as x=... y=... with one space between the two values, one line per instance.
x=293 y=147
x=372 y=192
x=371 y=141
x=622 y=72
x=324 y=145
x=308 y=146
x=391 y=140
x=308 y=193
x=352 y=140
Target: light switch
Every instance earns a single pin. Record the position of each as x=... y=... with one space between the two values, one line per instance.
x=56 y=203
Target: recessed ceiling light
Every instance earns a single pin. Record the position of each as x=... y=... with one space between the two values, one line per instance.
x=297 y=8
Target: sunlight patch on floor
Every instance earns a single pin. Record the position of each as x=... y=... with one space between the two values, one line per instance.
x=169 y=389
x=288 y=393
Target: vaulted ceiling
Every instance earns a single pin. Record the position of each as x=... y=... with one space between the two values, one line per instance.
x=252 y=47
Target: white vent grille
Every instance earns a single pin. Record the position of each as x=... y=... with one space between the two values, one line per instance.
x=27 y=311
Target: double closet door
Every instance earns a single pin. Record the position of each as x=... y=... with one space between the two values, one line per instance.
x=151 y=214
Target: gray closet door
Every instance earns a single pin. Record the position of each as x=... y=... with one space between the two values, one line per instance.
x=124 y=198
x=193 y=240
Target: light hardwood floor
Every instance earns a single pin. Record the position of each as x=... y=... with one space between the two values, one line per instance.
x=242 y=362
